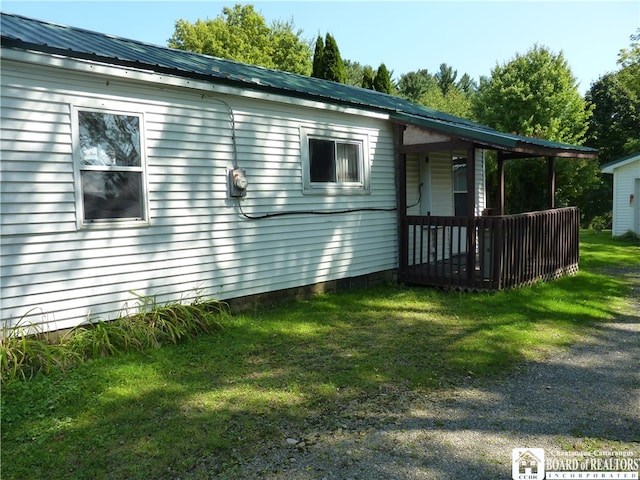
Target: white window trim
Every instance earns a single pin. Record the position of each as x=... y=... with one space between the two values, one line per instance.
x=335 y=188
x=75 y=134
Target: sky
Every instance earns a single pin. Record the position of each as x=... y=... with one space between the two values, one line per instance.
x=470 y=36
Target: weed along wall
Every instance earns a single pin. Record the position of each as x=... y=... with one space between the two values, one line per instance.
x=116 y=187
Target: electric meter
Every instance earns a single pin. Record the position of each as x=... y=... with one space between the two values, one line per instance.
x=237 y=182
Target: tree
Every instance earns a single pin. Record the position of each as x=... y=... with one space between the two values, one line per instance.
x=331 y=65
x=318 y=58
x=615 y=98
x=414 y=85
x=367 y=78
x=242 y=34
x=382 y=80
x=455 y=101
x=536 y=95
x=446 y=78
x=466 y=84
x=426 y=89
x=289 y=51
x=615 y=123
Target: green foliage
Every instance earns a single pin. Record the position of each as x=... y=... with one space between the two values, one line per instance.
x=242 y=34
x=330 y=65
x=24 y=354
x=455 y=102
x=318 y=58
x=601 y=222
x=615 y=124
x=382 y=81
x=446 y=78
x=439 y=91
x=414 y=85
x=630 y=237
x=536 y=95
x=368 y=77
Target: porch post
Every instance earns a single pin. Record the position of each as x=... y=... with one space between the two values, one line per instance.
x=471 y=208
x=401 y=201
x=551 y=174
x=500 y=184
x=471 y=181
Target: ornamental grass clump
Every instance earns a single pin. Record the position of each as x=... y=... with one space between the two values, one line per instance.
x=25 y=352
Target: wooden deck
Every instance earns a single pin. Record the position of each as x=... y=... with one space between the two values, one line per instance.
x=489 y=253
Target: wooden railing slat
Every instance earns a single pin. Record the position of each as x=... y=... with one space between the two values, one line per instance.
x=490 y=253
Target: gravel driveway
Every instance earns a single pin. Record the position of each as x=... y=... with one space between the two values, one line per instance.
x=585 y=398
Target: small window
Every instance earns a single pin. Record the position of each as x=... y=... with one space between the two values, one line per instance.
x=110 y=161
x=460 y=193
x=334 y=163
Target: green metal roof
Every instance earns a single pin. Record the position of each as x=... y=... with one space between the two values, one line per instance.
x=29 y=34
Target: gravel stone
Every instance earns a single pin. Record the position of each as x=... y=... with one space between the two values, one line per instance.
x=562 y=402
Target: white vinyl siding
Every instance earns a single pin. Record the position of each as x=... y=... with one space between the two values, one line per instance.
x=624 y=213
x=197 y=242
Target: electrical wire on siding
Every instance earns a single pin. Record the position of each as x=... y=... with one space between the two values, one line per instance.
x=232 y=118
x=331 y=212
x=314 y=212
x=298 y=212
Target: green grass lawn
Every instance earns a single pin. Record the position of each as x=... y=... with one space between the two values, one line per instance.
x=164 y=412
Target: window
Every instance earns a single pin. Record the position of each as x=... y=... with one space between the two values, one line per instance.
x=110 y=166
x=460 y=186
x=334 y=162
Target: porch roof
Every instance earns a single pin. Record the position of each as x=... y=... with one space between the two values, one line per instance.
x=34 y=35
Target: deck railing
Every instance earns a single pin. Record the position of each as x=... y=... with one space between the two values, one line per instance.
x=489 y=252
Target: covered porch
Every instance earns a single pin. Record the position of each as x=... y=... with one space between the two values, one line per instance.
x=490 y=252
x=468 y=246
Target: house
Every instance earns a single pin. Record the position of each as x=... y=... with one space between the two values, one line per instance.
x=132 y=170
x=626 y=194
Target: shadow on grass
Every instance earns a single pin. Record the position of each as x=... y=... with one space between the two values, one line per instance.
x=207 y=405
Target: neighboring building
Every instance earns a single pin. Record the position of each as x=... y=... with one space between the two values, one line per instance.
x=626 y=194
x=134 y=170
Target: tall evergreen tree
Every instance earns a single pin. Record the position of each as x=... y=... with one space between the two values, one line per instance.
x=333 y=66
x=446 y=78
x=382 y=81
x=367 y=78
x=318 y=59
x=414 y=85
